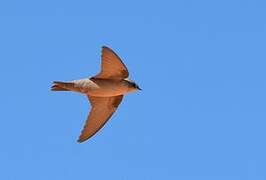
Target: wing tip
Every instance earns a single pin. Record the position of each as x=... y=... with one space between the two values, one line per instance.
x=104 y=46
x=81 y=140
x=109 y=49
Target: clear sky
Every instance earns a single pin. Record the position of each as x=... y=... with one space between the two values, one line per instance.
x=201 y=114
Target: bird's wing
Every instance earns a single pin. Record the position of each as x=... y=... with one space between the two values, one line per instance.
x=102 y=109
x=112 y=66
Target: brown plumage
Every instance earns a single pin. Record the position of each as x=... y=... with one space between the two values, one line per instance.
x=104 y=91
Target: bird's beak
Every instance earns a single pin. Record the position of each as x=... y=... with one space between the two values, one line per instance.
x=139 y=88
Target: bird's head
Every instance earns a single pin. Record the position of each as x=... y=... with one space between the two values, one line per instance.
x=132 y=86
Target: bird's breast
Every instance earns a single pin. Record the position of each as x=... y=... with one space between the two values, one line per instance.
x=101 y=87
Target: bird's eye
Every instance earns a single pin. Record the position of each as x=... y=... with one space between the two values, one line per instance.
x=133 y=85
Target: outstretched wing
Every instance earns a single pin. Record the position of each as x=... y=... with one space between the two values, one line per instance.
x=102 y=109
x=112 y=66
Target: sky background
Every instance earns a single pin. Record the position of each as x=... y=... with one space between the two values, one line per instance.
x=201 y=114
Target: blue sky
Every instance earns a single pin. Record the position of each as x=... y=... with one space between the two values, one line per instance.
x=201 y=114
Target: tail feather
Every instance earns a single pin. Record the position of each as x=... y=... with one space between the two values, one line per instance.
x=58 y=88
x=62 y=86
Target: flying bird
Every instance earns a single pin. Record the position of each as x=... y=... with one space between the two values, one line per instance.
x=105 y=91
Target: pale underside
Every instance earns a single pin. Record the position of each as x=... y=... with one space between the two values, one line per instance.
x=100 y=87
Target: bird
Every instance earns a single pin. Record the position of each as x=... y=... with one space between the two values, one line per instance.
x=104 y=91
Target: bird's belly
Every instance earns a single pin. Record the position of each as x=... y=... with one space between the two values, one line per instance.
x=101 y=88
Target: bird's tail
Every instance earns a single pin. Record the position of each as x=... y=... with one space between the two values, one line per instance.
x=62 y=86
